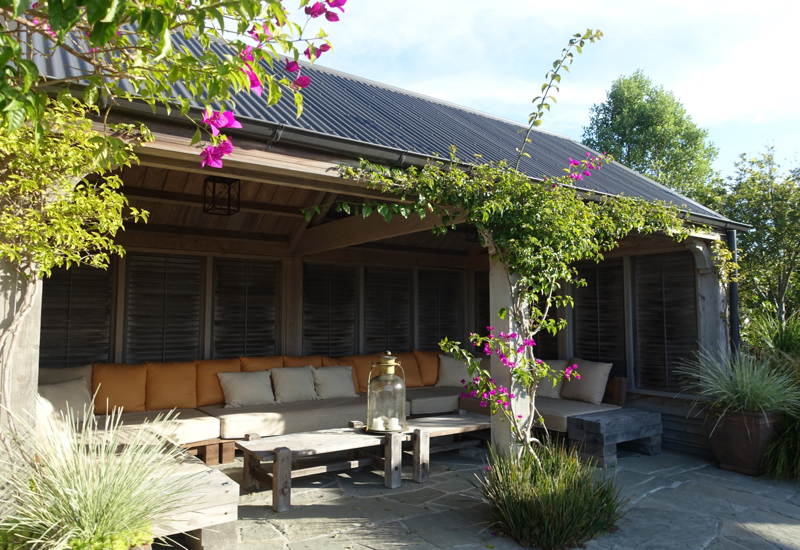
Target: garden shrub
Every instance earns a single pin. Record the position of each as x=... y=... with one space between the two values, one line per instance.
x=550 y=499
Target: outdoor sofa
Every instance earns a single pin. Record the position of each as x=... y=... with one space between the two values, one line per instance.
x=298 y=402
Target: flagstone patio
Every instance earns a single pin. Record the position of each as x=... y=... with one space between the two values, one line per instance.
x=677 y=501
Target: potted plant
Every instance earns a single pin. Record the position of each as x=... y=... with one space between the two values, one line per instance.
x=744 y=397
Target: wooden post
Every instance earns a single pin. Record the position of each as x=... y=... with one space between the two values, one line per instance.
x=216 y=537
x=393 y=461
x=227 y=451
x=211 y=454
x=499 y=298
x=251 y=461
x=422 y=449
x=282 y=480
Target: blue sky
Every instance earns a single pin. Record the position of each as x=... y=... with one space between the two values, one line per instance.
x=733 y=64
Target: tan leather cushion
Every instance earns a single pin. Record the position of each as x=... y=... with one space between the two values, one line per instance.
x=428 y=364
x=302 y=360
x=209 y=390
x=554 y=412
x=409 y=363
x=171 y=386
x=253 y=364
x=363 y=364
x=245 y=389
x=69 y=395
x=592 y=384
x=289 y=418
x=185 y=425
x=342 y=362
x=293 y=384
x=334 y=382
x=545 y=387
x=119 y=386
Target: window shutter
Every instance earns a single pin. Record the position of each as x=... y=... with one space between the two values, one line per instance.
x=483 y=315
x=387 y=310
x=163 y=308
x=76 y=317
x=600 y=314
x=666 y=317
x=439 y=307
x=329 y=310
x=245 y=308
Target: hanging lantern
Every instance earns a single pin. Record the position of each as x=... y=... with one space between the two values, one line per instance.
x=221 y=195
x=386 y=397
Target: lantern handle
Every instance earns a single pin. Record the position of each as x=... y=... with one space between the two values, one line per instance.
x=404 y=371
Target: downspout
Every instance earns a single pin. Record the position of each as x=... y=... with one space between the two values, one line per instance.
x=733 y=294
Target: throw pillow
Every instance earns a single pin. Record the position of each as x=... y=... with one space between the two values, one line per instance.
x=54 y=376
x=545 y=387
x=119 y=386
x=452 y=372
x=592 y=384
x=333 y=382
x=294 y=384
x=246 y=389
x=63 y=396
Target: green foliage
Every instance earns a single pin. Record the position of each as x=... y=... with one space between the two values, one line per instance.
x=550 y=500
x=98 y=487
x=765 y=333
x=762 y=195
x=129 y=49
x=741 y=382
x=53 y=213
x=782 y=455
x=646 y=128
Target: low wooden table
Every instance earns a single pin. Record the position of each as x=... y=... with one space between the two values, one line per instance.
x=282 y=450
x=597 y=434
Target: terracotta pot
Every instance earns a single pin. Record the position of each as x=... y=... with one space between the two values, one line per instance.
x=739 y=439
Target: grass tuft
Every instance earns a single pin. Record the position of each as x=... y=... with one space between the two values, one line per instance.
x=551 y=499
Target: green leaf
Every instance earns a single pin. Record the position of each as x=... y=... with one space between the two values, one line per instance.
x=19 y=7
x=274 y=93
x=102 y=33
x=366 y=210
x=298 y=101
x=91 y=94
x=63 y=14
x=65 y=98
x=96 y=10
x=196 y=137
x=29 y=72
x=15 y=119
x=308 y=215
x=346 y=207
x=502 y=313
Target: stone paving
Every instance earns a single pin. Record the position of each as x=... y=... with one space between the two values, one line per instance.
x=676 y=501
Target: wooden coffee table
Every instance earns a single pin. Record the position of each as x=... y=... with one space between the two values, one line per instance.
x=282 y=451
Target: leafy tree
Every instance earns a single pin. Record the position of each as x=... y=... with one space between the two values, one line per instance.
x=647 y=128
x=767 y=198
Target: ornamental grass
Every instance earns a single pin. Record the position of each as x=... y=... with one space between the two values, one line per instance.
x=94 y=485
x=550 y=499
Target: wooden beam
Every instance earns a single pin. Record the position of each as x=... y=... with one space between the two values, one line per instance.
x=414 y=249
x=202 y=232
x=154 y=195
x=357 y=230
x=305 y=223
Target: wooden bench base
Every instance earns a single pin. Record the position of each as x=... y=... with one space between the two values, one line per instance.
x=213 y=451
x=596 y=435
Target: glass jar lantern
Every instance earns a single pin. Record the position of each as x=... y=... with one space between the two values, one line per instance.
x=386 y=397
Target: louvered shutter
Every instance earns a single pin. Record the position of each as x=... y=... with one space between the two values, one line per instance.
x=329 y=310
x=245 y=308
x=599 y=314
x=76 y=317
x=439 y=307
x=666 y=317
x=483 y=315
x=387 y=310
x=163 y=308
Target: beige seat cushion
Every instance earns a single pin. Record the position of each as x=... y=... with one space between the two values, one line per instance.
x=545 y=387
x=555 y=412
x=452 y=373
x=431 y=400
x=292 y=384
x=189 y=426
x=72 y=394
x=288 y=418
x=334 y=382
x=246 y=389
x=591 y=385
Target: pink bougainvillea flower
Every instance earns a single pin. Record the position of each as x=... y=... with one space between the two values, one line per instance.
x=302 y=81
x=337 y=4
x=587 y=173
x=212 y=155
x=222 y=119
x=316 y=9
x=332 y=17
x=255 y=83
x=488 y=468
x=490 y=329
x=247 y=54
x=484 y=404
x=573 y=162
x=292 y=66
x=324 y=48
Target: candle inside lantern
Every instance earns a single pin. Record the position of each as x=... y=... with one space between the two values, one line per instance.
x=393 y=424
x=377 y=424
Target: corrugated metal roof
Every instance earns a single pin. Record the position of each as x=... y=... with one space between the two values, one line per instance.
x=346 y=106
